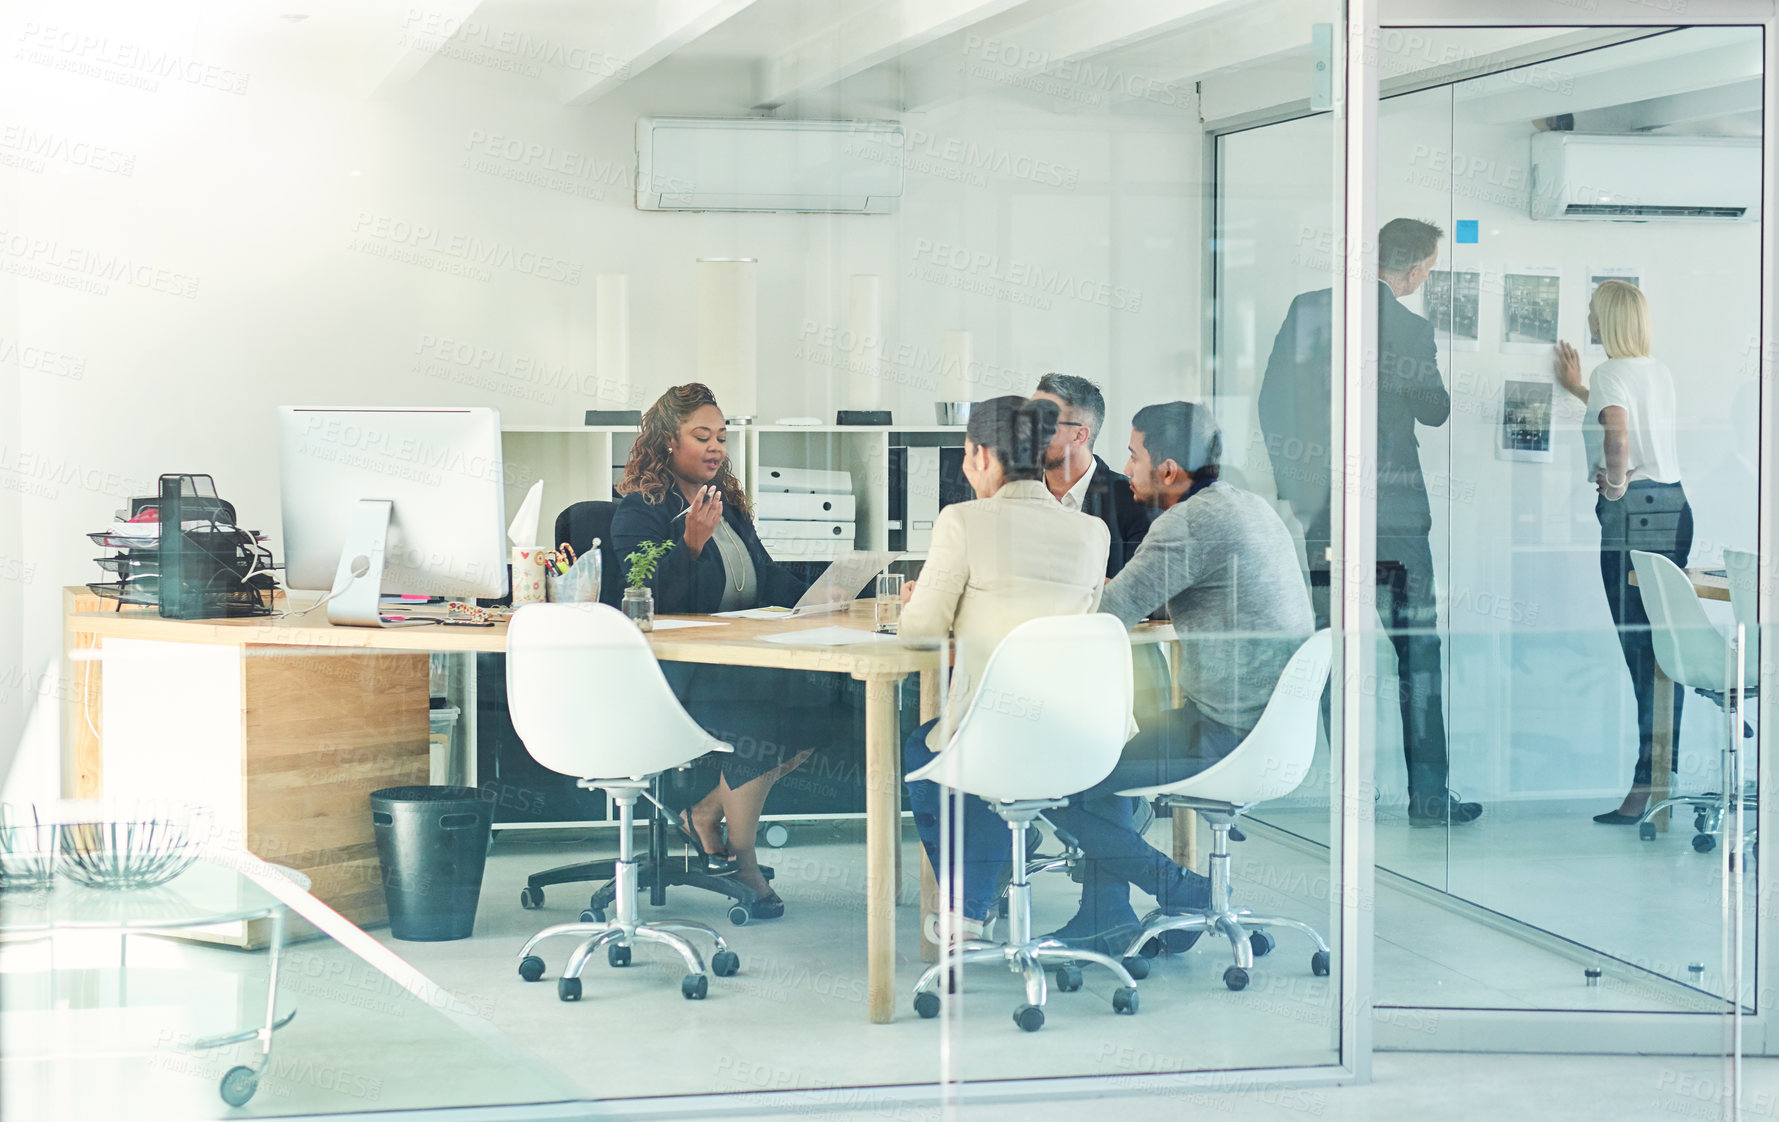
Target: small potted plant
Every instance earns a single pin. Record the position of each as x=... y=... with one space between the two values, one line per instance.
x=639 y=570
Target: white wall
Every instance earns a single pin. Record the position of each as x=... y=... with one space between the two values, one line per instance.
x=275 y=217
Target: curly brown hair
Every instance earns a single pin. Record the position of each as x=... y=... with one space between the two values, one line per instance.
x=649 y=472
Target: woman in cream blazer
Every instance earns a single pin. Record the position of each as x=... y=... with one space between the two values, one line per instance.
x=1012 y=555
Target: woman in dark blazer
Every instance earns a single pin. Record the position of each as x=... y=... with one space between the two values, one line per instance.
x=678 y=487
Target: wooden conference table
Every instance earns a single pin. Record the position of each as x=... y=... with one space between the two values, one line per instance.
x=317 y=734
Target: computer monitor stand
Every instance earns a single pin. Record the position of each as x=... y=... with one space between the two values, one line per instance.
x=358 y=582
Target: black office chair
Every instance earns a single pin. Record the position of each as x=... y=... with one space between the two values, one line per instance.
x=580 y=525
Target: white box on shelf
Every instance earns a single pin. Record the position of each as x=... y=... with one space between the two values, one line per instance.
x=798 y=506
x=773 y=530
x=805 y=480
x=795 y=549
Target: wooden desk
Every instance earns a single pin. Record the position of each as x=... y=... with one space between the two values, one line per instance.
x=317 y=737
x=1661 y=743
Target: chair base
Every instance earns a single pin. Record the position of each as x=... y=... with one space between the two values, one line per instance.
x=1021 y=954
x=625 y=930
x=1244 y=929
x=656 y=876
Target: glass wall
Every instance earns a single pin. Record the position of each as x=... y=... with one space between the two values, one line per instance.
x=1509 y=722
x=846 y=226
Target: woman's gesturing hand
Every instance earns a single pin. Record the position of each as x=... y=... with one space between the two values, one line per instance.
x=1569 y=370
x=702 y=517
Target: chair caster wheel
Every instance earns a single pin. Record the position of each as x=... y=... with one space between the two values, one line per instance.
x=1235 y=978
x=1124 y=1000
x=1068 y=978
x=1699 y=823
x=1704 y=843
x=926 y=1003
x=531 y=899
x=617 y=955
x=1029 y=1017
x=693 y=987
x=1150 y=947
x=238 y=1085
x=1319 y=964
x=776 y=835
x=568 y=989
x=725 y=964
x=1235 y=835
x=531 y=968
x=1137 y=967
x=738 y=915
x=588 y=915
x=1261 y=942
x=1646 y=831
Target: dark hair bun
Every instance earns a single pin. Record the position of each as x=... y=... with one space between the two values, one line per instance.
x=1018 y=430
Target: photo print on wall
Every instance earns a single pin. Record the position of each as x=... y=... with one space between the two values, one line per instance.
x=1454 y=304
x=1525 y=422
x=1631 y=274
x=1530 y=308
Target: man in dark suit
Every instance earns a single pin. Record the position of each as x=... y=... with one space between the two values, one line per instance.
x=1295 y=403
x=1081 y=480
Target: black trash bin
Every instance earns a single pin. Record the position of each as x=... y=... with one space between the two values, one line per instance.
x=432 y=843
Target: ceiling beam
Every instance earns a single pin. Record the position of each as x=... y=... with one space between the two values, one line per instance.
x=656 y=30
x=878 y=34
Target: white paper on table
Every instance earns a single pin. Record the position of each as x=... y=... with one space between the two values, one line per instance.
x=827 y=637
x=523 y=530
x=670 y=624
x=755 y=613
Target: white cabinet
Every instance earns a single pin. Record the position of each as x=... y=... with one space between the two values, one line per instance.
x=586 y=461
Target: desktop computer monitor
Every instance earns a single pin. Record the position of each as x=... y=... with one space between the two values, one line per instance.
x=392 y=501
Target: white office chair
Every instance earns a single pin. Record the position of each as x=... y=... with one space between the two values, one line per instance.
x=1024 y=746
x=1695 y=654
x=588 y=699
x=1269 y=763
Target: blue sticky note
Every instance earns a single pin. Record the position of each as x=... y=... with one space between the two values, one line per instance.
x=1466 y=234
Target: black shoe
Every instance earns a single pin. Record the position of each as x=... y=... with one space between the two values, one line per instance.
x=1111 y=941
x=715 y=865
x=1614 y=818
x=1450 y=811
x=770 y=906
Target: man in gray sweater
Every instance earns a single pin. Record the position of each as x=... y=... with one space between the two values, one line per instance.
x=1224 y=566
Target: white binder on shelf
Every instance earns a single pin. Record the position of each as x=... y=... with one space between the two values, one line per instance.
x=805 y=531
x=797 y=506
x=806 y=480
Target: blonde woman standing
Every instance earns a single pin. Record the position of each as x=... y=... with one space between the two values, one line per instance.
x=1634 y=464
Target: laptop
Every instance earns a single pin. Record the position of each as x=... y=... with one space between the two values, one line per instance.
x=836 y=588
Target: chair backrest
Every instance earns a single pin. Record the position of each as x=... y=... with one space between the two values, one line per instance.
x=588 y=698
x=1687 y=647
x=580 y=525
x=1743 y=570
x=1274 y=757
x=1051 y=715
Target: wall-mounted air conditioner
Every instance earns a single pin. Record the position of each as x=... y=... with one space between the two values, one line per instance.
x=831 y=167
x=1641 y=178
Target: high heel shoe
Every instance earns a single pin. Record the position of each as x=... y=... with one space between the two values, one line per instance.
x=716 y=865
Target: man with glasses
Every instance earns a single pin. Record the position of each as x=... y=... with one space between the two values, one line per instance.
x=1082 y=481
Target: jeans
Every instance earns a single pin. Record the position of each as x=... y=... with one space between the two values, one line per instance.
x=985 y=842
x=1672 y=537
x=1182 y=744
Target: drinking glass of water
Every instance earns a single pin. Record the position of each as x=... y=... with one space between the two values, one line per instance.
x=889 y=602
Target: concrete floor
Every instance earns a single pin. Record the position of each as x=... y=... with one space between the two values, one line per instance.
x=795 y=1019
